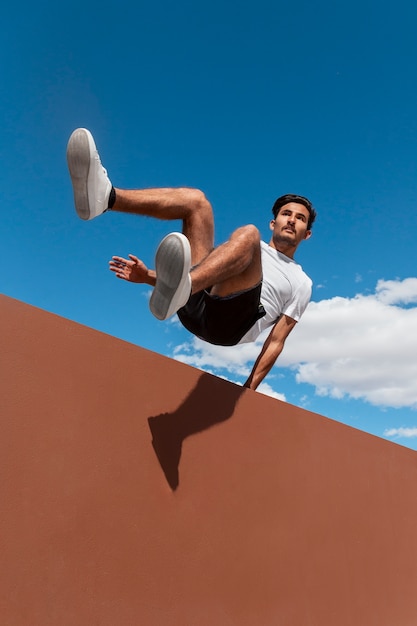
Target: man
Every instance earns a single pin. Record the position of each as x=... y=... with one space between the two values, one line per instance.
x=224 y=295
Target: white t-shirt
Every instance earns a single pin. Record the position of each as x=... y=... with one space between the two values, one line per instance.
x=286 y=290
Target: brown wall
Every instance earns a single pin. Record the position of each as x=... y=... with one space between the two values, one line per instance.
x=245 y=510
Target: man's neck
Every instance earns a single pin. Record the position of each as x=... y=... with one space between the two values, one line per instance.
x=286 y=249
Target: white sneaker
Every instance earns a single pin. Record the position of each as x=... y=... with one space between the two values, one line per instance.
x=90 y=182
x=173 y=281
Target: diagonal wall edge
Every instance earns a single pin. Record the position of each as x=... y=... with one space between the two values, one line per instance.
x=138 y=490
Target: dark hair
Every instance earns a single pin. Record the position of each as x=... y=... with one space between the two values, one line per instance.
x=291 y=197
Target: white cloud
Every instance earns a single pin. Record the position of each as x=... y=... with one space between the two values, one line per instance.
x=363 y=347
x=268 y=391
x=234 y=359
x=397 y=292
x=401 y=432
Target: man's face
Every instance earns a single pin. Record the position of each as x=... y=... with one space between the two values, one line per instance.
x=289 y=227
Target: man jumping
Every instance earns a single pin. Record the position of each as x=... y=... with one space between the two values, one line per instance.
x=225 y=295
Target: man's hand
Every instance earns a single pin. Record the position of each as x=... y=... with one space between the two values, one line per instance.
x=132 y=269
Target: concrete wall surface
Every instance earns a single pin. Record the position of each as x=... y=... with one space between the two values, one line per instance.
x=138 y=490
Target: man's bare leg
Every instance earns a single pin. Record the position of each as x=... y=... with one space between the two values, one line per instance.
x=232 y=267
x=183 y=203
x=94 y=194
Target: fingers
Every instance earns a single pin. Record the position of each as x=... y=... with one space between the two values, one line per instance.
x=131 y=269
x=120 y=273
x=119 y=266
x=119 y=260
x=117 y=263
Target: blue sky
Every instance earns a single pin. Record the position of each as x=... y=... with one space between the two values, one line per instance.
x=246 y=101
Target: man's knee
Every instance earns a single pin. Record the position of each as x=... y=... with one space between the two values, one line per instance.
x=197 y=200
x=249 y=234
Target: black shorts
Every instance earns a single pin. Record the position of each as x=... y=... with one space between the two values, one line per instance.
x=222 y=320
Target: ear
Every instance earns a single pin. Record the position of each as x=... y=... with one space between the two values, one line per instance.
x=272 y=224
x=308 y=234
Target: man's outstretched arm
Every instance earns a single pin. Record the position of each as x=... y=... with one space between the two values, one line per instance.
x=271 y=350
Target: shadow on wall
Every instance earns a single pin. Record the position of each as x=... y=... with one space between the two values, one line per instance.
x=204 y=407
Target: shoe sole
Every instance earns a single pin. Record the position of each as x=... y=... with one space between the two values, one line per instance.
x=173 y=284
x=79 y=150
